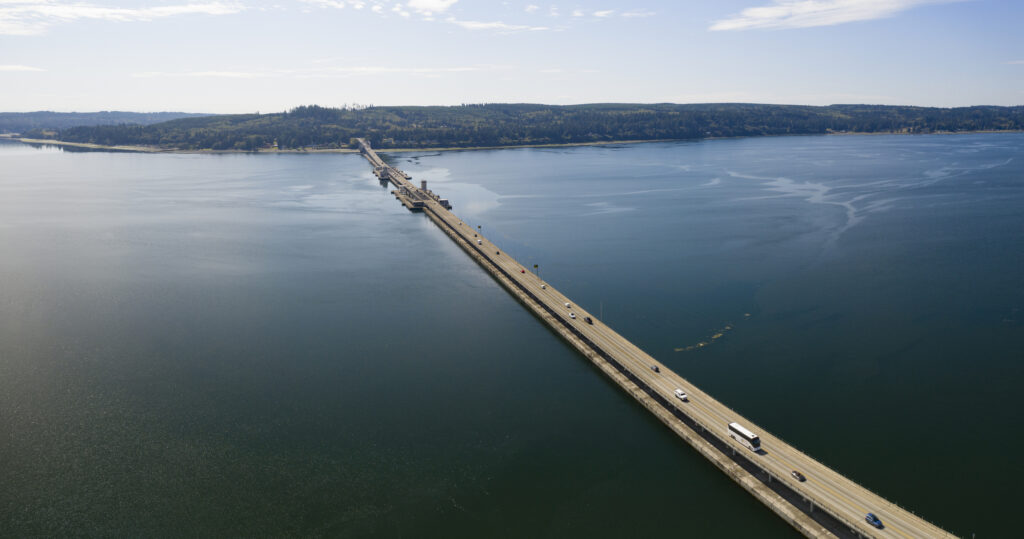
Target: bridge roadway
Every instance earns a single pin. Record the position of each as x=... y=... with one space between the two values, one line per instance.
x=827 y=490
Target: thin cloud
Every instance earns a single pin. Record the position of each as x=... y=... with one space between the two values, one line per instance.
x=531 y=8
x=430 y=7
x=318 y=72
x=404 y=70
x=337 y=4
x=1015 y=62
x=808 y=13
x=637 y=13
x=20 y=68
x=32 y=17
x=494 y=25
x=207 y=74
x=605 y=13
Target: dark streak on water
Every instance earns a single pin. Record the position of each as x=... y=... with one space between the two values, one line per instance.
x=270 y=345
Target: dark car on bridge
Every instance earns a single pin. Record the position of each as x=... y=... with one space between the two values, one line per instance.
x=798 y=476
x=873 y=520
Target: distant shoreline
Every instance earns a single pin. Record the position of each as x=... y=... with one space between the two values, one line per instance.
x=141 y=149
x=153 y=149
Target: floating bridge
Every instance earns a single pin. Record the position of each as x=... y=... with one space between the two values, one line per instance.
x=818 y=501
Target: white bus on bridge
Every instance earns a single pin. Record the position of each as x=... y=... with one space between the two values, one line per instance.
x=745 y=437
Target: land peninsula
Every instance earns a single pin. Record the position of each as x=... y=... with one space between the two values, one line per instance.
x=314 y=128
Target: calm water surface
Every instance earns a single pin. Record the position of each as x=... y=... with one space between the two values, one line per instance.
x=253 y=345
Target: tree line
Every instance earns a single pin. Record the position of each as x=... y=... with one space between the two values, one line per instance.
x=23 y=122
x=309 y=127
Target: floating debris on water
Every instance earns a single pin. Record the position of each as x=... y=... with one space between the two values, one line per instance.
x=714 y=337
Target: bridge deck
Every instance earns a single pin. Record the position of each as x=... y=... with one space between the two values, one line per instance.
x=703 y=420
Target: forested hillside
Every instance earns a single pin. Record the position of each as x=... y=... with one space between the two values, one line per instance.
x=22 y=122
x=525 y=124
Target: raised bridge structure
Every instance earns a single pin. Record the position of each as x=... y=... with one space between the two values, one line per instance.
x=825 y=504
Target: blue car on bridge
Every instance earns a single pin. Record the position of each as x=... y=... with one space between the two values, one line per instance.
x=873 y=520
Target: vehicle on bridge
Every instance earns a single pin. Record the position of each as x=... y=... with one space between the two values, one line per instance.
x=798 y=476
x=745 y=437
x=681 y=395
x=873 y=520
x=655 y=368
x=589 y=320
x=572 y=315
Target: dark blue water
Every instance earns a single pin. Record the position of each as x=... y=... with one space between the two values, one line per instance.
x=245 y=345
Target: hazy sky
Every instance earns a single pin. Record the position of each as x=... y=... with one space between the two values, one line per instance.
x=271 y=55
